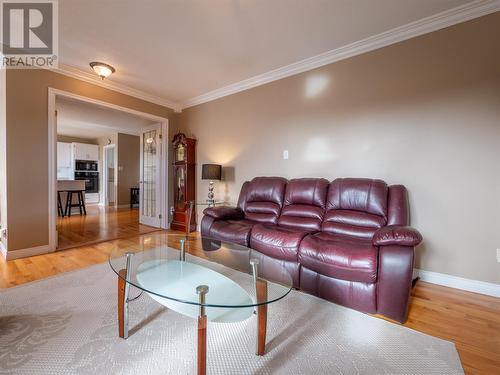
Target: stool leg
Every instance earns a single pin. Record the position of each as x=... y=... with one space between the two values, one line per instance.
x=59 y=205
x=79 y=195
x=83 y=203
x=69 y=199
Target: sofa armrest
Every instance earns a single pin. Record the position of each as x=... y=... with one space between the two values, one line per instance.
x=397 y=235
x=224 y=212
x=395 y=273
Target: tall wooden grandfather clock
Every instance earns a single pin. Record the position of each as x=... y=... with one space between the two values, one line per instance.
x=184 y=181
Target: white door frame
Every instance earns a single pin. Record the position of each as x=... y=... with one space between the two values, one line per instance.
x=105 y=174
x=52 y=157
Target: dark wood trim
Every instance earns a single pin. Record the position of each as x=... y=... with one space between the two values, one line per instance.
x=121 y=300
x=202 y=345
x=261 y=289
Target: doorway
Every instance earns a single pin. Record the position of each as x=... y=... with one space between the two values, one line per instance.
x=112 y=216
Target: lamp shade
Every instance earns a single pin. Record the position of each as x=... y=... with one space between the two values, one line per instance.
x=211 y=172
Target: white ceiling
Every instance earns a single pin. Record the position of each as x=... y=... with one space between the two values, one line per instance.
x=90 y=121
x=180 y=49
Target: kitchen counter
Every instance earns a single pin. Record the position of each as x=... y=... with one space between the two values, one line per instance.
x=70 y=185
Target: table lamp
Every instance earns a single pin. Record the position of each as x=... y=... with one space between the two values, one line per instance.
x=211 y=172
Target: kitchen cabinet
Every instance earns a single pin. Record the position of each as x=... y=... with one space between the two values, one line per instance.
x=64 y=159
x=82 y=151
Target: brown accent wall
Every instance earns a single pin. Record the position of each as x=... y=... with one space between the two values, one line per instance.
x=129 y=148
x=27 y=146
x=424 y=113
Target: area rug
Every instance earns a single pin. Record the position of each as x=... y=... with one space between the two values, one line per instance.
x=67 y=325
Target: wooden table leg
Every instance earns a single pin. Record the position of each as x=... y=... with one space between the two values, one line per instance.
x=202 y=345
x=202 y=290
x=121 y=302
x=261 y=289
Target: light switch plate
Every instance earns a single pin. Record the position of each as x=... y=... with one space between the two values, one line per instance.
x=285 y=155
x=498 y=255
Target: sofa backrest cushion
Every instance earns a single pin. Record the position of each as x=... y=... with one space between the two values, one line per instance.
x=304 y=205
x=356 y=207
x=262 y=198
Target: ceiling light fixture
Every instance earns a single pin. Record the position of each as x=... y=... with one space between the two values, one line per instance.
x=101 y=69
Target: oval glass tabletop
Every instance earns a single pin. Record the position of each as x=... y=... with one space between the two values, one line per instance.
x=233 y=278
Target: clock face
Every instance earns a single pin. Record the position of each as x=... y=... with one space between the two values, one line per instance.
x=180 y=153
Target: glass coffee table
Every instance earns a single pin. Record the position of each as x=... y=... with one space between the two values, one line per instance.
x=223 y=282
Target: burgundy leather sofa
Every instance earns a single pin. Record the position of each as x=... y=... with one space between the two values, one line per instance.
x=347 y=241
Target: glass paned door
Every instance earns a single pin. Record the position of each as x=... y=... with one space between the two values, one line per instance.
x=109 y=175
x=150 y=199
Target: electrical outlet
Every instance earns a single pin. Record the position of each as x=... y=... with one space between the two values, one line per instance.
x=498 y=255
x=285 y=155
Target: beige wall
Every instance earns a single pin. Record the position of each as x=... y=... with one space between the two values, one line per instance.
x=68 y=139
x=128 y=165
x=424 y=113
x=27 y=147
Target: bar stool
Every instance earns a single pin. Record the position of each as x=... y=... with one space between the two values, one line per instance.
x=80 y=204
x=134 y=196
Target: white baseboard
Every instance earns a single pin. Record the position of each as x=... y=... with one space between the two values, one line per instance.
x=28 y=252
x=476 y=286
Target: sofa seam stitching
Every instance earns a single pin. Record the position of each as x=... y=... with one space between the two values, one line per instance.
x=283 y=247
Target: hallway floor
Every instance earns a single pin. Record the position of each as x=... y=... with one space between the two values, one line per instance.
x=100 y=224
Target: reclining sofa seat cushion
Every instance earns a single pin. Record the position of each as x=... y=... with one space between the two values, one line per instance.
x=355 y=209
x=302 y=213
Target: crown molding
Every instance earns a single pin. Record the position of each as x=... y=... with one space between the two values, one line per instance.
x=426 y=25
x=73 y=72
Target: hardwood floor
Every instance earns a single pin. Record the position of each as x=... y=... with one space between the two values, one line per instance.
x=100 y=224
x=471 y=321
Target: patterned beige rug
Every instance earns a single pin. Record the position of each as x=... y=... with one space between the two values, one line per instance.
x=67 y=325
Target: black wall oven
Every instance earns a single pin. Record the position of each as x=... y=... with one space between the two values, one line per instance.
x=84 y=165
x=91 y=180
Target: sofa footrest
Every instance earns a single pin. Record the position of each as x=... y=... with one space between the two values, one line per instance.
x=355 y=295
